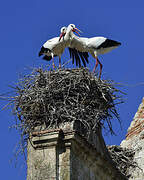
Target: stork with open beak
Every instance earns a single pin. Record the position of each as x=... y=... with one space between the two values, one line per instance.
x=95 y=46
x=55 y=47
x=74 y=53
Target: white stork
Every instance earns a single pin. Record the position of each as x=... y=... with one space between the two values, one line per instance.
x=95 y=46
x=55 y=47
x=74 y=53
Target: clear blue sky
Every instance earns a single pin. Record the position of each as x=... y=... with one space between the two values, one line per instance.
x=26 y=25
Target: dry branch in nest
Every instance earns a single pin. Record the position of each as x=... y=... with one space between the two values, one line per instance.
x=48 y=98
x=124 y=159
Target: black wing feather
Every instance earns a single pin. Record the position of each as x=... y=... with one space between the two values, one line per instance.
x=73 y=57
x=44 y=50
x=109 y=43
x=85 y=54
x=71 y=54
x=77 y=56
x=48 y=58
x=82 y=58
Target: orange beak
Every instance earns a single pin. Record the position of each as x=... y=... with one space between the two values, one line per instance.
x=77 y=31
x=62 y=35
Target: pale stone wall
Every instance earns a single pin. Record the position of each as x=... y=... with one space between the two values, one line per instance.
x=135 y=140
x=66 y=155
x=41 y=161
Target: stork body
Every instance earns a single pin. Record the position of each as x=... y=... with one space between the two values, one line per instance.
x=95 y=45
x=75 y=54
x=55 y=47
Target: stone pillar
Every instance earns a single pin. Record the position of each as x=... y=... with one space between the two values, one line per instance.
x=135 y=140
x=41 y=156
x=66 y=155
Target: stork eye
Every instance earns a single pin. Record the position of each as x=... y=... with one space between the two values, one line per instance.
x=72 y=26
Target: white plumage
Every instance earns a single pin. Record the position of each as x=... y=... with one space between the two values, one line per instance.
x=53 y=47
x=95 y=46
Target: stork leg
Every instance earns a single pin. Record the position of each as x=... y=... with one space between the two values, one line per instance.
x=59 y=62
x=98 y=62
x=100 y=68
x=53 y=60
x=53 y=63
x=95 y=64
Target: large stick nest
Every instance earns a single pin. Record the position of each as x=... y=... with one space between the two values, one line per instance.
x=124 y=159
x=48 y=98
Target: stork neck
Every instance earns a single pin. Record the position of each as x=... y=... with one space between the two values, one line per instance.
x=68 y=34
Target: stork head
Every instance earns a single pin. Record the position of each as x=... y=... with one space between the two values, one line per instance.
x=74 y=29
x=69 y=29
x=63 y=32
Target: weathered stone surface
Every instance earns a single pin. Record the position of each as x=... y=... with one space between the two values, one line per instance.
x=137 y=125
x=135 y=140
x=66 y=155
x=41 y=161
